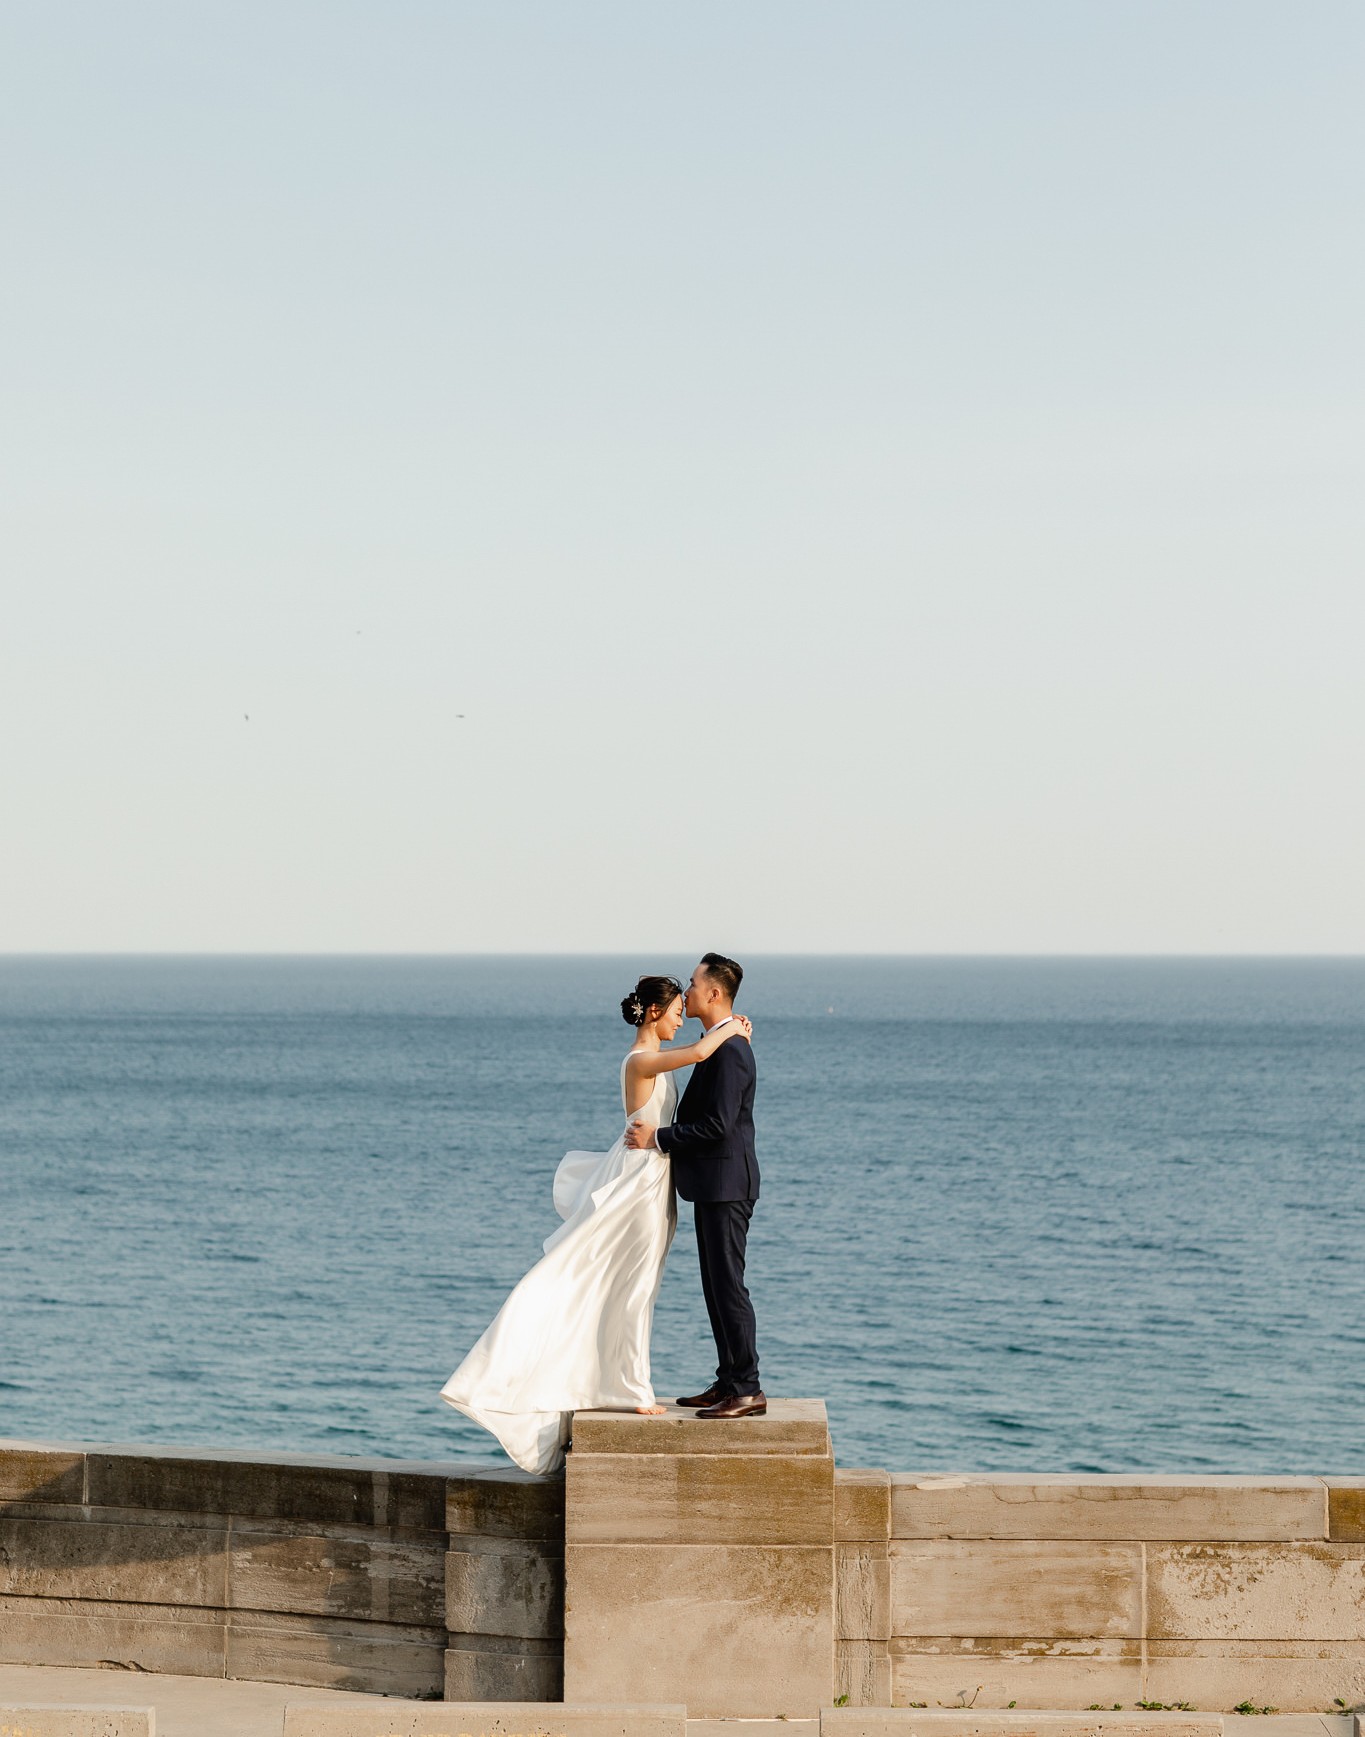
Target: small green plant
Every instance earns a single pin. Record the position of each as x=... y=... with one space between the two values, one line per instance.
x=1167 y=1706
x=841 y=1700
x=1013 y=1703
x=1246 y=1707
x=1096 y=1707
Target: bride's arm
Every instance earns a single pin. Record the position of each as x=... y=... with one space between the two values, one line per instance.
x=646 y=1064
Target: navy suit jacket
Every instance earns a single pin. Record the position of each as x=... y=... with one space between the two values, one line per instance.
x=711 y=1144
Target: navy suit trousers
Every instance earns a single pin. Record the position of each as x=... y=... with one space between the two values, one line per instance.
x=722 y=1233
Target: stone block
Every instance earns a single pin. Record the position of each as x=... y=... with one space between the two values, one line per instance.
x=862 y=1673
x=180 y=1562
x=1031 y=1673
x=1292 y=1676
x=754 y=1728
x=699 y=1499
x=374 y=1658
x=862 y=1592
x=862 y=1505
x=479 y=1668
x=69 y=1721
x=501 y=1502
x=1033 y=1506
x=987 y=1587
x=497 y=1586
x=31 y=1473
x=1346 y=1510
x=371 y=1576
x=515 y=1719
x=728 y=1630
x=333 y=1491
x=78 y=1632
x=909 y=1722
x=1313 y=1592
x=791 y=1426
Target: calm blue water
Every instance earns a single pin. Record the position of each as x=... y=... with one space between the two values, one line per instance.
x=1050 y=1215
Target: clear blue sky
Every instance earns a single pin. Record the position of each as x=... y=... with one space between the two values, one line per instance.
x=871 y=476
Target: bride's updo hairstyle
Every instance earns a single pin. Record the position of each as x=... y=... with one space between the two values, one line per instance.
x=649 y=992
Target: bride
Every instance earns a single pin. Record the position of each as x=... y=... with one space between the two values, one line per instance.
x=574 y=1334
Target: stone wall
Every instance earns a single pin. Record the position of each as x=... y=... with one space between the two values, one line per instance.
x=331 y=1572
x=428 y=1580
x=505 y=1587
x=1066 y=1592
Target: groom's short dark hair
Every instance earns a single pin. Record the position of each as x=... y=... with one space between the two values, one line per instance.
x=724 y=972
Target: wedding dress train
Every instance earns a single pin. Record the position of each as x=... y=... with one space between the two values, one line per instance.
x=574 y=1334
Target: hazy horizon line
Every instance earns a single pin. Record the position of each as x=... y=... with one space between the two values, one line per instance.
x=634 y=952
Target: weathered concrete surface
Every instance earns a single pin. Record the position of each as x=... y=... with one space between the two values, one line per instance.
x=513 y=1719
x=862 y=1673
x=503 y=1502
x=667 y=1602
x=737 y=1630
x=504 y=1597
x=281 y=1486
x=1346 y=1509
x=393 y=1578
x=499 y=1586
x=1034 y=1506
x=174 y=1562
x=1313 y=1592
x=1032 y=1673
x=913 y=1722
x=373 y=1657
x=69 y=1721
x=862 y=1580
x=862 y=1505
x=708 y=1498
x=490 y=1668
x=1062 y=1587
x=1284 y=1674
x=862 y=1587
x=308 y=1569
x=184 y=1706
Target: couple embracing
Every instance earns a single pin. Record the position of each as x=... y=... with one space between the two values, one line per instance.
x=574 y=1334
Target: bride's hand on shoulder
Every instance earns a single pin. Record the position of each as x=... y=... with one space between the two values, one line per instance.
x=736 y=1026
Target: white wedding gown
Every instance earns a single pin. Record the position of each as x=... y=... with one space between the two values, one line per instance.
x=574 y=1334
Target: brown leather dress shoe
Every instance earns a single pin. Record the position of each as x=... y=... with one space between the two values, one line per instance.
x=714 y=1392
x=737 y=1405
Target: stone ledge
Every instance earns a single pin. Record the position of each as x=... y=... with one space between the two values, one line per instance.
x=914 y=1722
x=35 y=1720
x=1136 y=1506
x=791 y=1426
x=282 y=1486
x=480 y=1719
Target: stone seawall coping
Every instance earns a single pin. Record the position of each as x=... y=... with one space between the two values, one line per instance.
x=421 y=1579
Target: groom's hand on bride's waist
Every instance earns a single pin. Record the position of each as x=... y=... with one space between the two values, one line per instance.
x=640 y=1136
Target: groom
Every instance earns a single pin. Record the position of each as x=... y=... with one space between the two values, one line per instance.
x=712 y=1148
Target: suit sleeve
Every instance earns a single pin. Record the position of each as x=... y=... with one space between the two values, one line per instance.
x=720 y=1117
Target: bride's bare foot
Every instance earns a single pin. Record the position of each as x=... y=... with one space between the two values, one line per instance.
x=651 y=1410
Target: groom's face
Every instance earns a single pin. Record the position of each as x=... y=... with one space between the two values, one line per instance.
x=699 y=991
